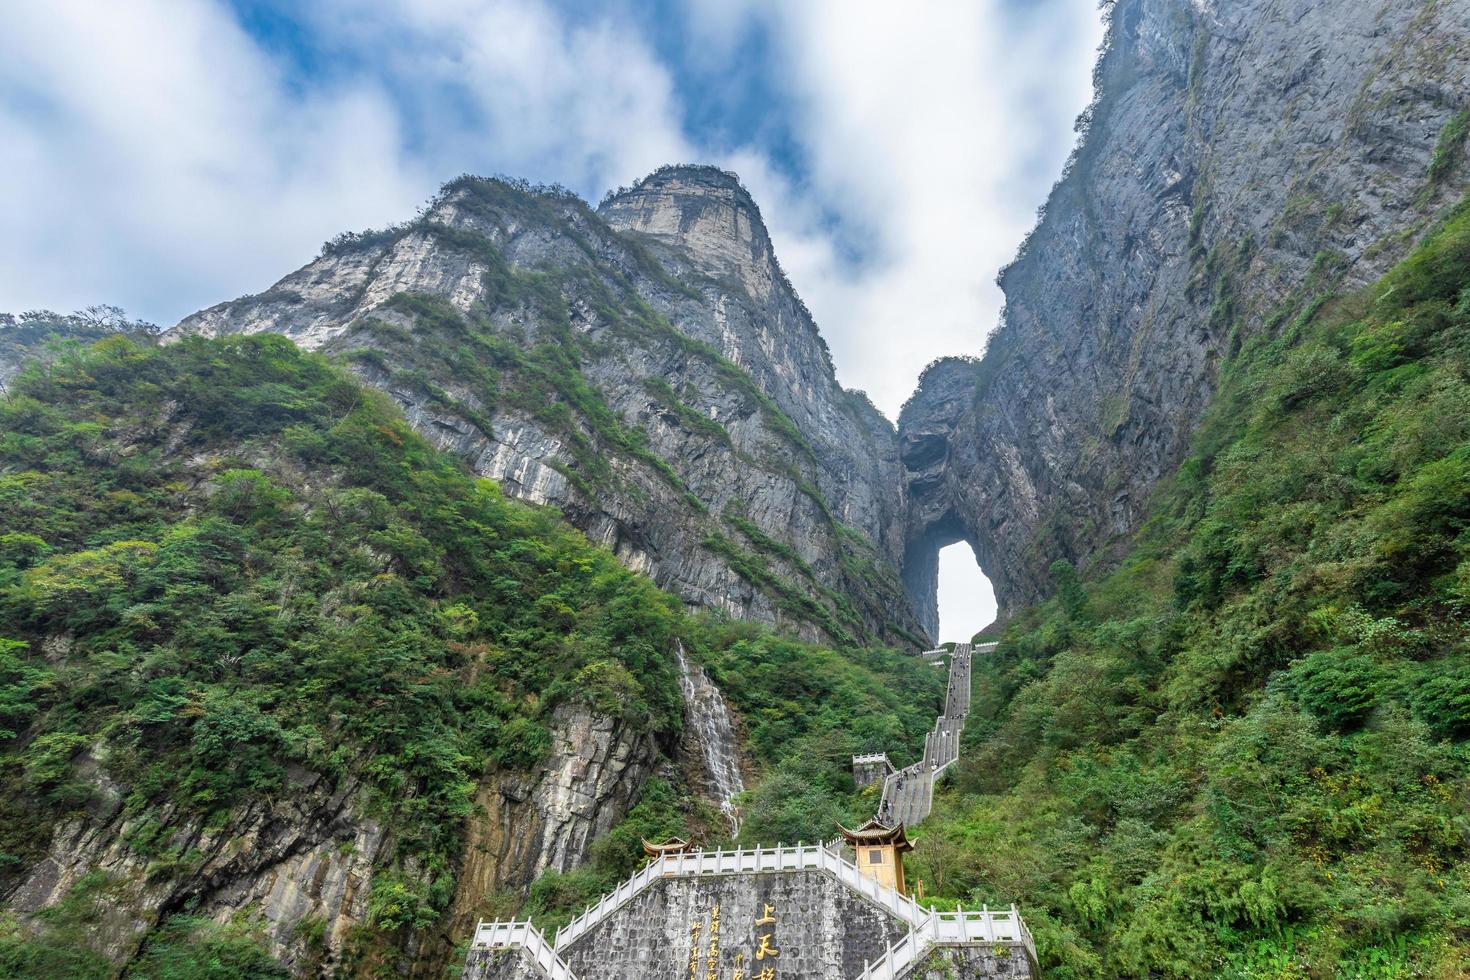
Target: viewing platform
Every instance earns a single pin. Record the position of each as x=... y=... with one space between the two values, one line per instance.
x=827 y=919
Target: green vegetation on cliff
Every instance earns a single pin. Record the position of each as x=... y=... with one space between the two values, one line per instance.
x=1243 y=753
x=225 y=562
x=516 y=352
x=231 y=576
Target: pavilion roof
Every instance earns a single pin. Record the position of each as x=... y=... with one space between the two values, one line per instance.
x=874 y=832
x=674 y=845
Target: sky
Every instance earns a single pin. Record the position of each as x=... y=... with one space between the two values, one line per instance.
x=966 y=597
x=166 y=155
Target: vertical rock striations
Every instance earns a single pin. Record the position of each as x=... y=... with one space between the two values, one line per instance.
x=312 y=856
x=1241 y=158
x=646 y=368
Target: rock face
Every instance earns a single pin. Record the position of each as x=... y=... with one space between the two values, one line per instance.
x=312 y=855
x=931 y=457
x=1241 y=159
x=646 y=368
x=595 y=774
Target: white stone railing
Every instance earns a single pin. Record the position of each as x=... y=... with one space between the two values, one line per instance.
x=814 y=857
x=500 y=935
x=985 y=926
x=927 y=927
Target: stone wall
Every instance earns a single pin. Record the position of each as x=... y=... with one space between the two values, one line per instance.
x=508 y=963
x=974 y=961
x=868 y=772
x=822 y=930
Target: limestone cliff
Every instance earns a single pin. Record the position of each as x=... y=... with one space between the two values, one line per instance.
x=305 y=865
x=646 y=367
x=1238 y=154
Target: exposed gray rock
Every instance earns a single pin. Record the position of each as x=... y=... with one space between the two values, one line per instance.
x=975 y=962
x=646 y=368
x=527 y=824
x=313 y=854
x=1242 y=155
x=310 y=855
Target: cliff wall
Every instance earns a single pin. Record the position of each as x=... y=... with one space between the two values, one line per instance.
x=646 y=368
x=1239 y=155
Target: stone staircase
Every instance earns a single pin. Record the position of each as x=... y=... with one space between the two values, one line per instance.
x=908 y=793
x=926 y=928
x=802 y=857
x=950 y=928
x=525 y=936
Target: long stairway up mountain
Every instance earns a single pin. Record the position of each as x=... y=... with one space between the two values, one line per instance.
x=824 y=915
x=908 y=793
x=805 y=909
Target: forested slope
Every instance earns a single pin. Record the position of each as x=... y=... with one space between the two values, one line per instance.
x=1244 y=752
x=283 y=687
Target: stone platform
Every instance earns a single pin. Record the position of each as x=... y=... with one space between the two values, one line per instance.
x=797 y=912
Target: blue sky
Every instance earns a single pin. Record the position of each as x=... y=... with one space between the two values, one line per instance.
x=165 y=155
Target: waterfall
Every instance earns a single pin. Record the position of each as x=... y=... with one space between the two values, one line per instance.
x=707 y=718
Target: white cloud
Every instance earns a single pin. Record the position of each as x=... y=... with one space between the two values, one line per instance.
x=156 y=157
x=922 y=130
x=585 y=104
x=155 y=160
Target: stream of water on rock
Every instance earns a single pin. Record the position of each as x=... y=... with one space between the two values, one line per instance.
x=708 y=717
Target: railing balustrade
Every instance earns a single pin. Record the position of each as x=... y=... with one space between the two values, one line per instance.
x=495 y=935
x=823 y=857
x=1003 y=926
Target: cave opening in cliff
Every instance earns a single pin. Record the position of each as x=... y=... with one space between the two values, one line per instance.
x=966 y=597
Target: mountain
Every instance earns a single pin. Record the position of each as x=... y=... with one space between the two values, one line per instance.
x=299 y=676
x=1215 y=460
x=284 y=687
x=646 y=368
x=1238 y=156
x=1245 y=751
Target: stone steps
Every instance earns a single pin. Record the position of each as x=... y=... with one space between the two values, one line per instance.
x=517 y=950
x=908 y=794
x=943 y=928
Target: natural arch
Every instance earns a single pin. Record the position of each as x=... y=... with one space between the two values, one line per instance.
x=921 y=568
